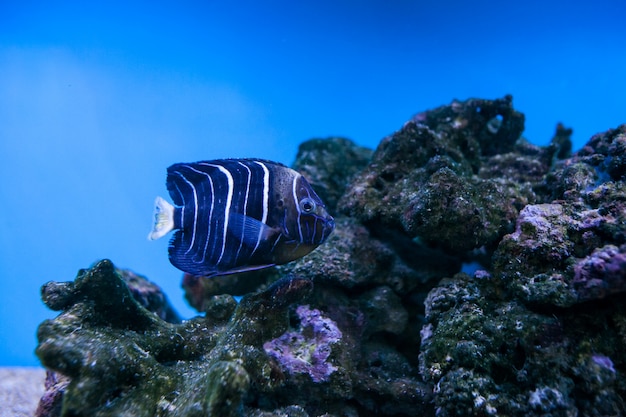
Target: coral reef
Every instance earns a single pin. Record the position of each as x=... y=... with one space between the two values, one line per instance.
x=329 y=164
x=470 y=273
x=134 y=363
x=421 y=179
x=298 y=353
x=541 y=332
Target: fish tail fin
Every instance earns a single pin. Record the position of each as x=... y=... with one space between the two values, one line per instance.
x=163 y=219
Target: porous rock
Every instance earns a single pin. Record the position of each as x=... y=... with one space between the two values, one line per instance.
x=533 y=335
x=149 y=295
x=392 y=327
x=122 y=359
x=570 y=250
x=329 y=165
x=423 y=180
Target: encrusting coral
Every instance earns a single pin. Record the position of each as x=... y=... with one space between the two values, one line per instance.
x=470 y=273
x=299 y=353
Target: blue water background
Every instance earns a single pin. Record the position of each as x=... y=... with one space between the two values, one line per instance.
x=97 y=100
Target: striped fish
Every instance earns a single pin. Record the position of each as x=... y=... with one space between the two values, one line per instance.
x=235 y=215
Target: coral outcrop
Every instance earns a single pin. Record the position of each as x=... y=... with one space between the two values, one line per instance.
x=541 y=332
x=470 y=273
x=421 y=180
x=122 y=359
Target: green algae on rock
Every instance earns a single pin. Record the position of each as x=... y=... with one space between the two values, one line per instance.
x=539 y=333
x=491 y=355
x=329 y=165
x=149 y=295
x=550 y=258
x=422 y=180
x=123 y=360
x=379 y=321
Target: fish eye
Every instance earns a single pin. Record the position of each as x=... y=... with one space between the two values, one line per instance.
x=307 y=205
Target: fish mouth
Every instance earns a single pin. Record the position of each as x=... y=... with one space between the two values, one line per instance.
x=329 y=226
x=316 y=233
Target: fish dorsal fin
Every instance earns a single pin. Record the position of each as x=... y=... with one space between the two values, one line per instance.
x=251 y=231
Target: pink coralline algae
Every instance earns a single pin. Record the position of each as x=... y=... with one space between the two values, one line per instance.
x=604 y=362
x=307 y=350
x=601 y=273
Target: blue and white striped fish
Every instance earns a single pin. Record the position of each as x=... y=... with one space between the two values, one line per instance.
x=235 y=215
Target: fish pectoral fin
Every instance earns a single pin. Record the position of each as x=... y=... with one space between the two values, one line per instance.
x=250 y=231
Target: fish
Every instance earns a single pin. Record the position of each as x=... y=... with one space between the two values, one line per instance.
x=237 y=215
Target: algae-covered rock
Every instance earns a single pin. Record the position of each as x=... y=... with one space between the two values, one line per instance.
x=329 y=165
x=122 y=359
x=149 y=295
x=423 y=180
x=527 y=163
x=538 y=334
x=380 y=320
x=571 y=250
x=491 y=355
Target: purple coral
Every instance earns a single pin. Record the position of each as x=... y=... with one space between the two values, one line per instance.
x=52 y=400
x=604 y=362
x=307 y=349
x=602 y=273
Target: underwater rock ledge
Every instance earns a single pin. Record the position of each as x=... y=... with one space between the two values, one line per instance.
x=381 y=320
